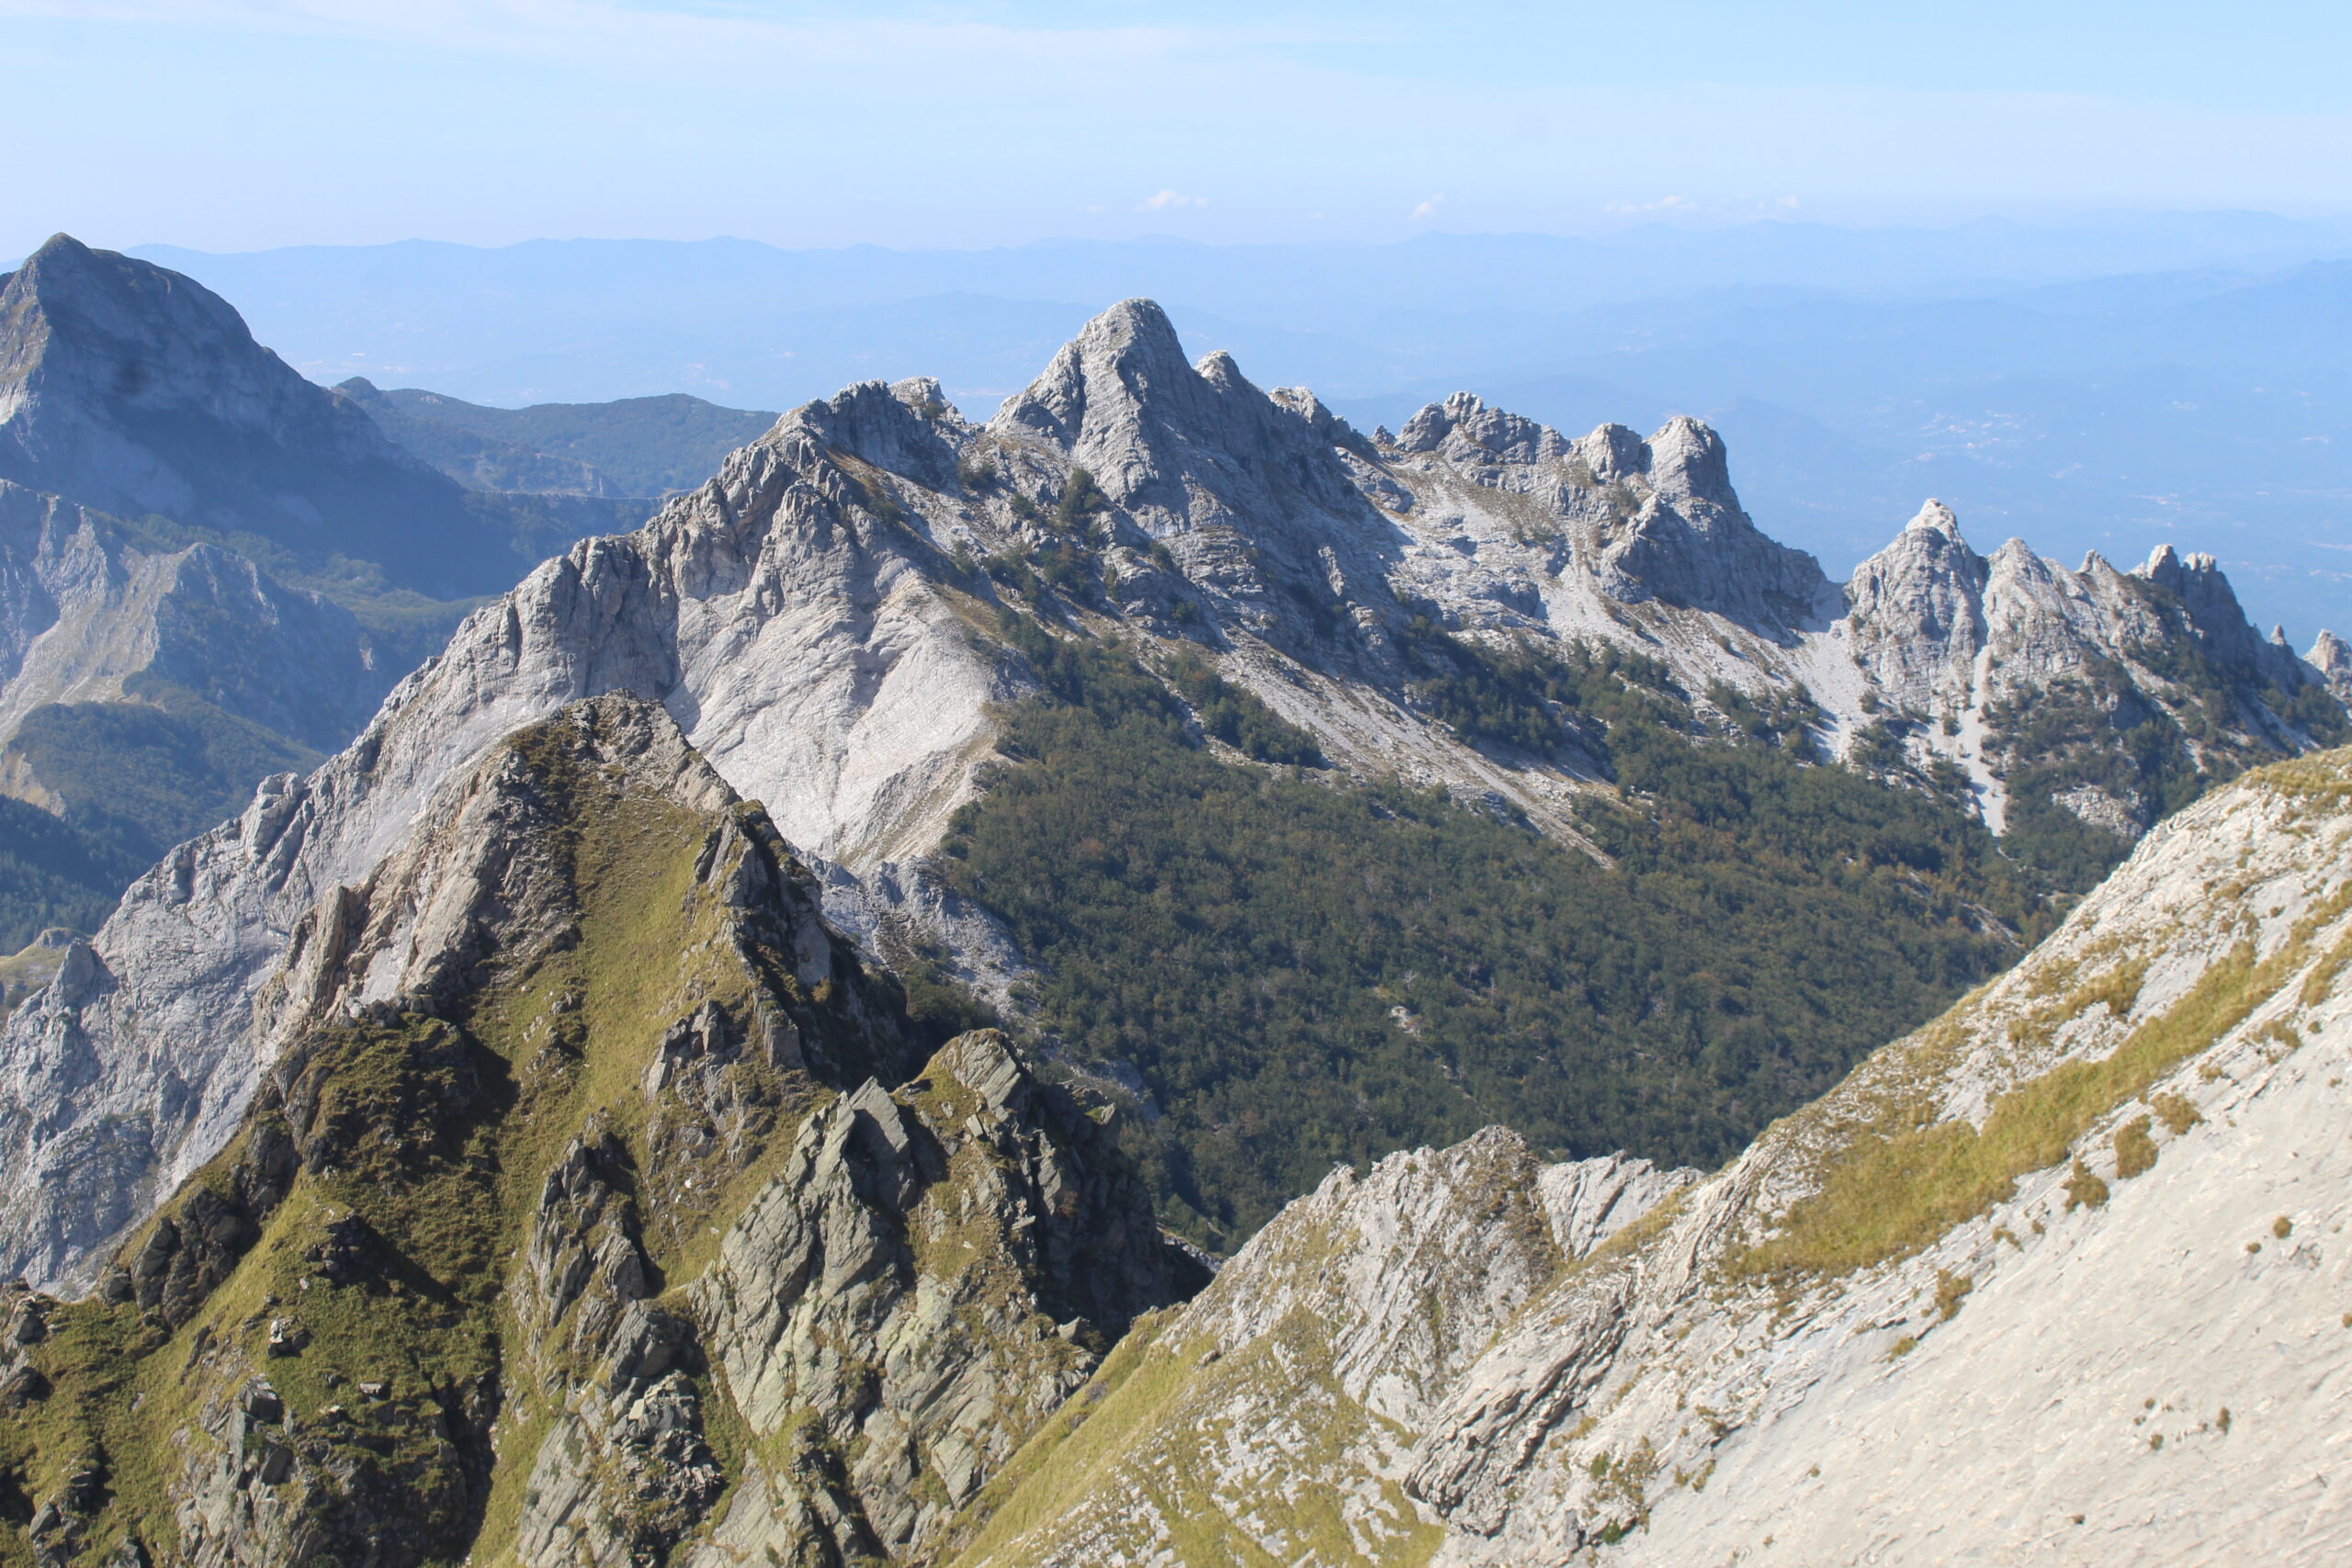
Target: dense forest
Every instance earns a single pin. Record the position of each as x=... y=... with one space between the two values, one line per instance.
x=55 y=875
x=1305 y=970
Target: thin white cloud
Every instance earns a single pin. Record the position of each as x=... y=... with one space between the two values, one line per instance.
x=581 y=31
x=497 y=119
x=1663 y=204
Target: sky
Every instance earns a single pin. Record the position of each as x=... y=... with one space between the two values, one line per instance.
x=233 y=125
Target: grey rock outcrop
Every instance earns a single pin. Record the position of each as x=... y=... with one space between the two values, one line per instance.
x=928 y=1277
x=2331 y=660
x=1952 y=646
x=1917 y=608
x=1286 y=1399
x=626 y=1469
x=1243 y=490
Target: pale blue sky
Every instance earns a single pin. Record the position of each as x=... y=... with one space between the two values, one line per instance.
x=240 y=124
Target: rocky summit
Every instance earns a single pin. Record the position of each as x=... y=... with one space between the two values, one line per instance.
x=656 y=1095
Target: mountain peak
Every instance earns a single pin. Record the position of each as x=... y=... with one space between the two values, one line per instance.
x=130 y=389
x=1181 y=447
x=1097 y=383
x=1464 y=429
x=1936 y=517
x=1687 y=460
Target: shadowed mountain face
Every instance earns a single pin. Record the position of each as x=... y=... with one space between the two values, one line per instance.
x=132 y=390
x=210 y=569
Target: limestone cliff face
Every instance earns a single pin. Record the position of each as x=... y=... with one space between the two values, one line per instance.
x=2059 y=1277
x=2331 y=657
x=928 y=1278
x=573 y=1222
x=1276 y=1413
x=1959 y=649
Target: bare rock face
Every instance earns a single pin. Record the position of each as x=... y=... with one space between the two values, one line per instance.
x=2058 y=1278
x=929 y=1276
x=1960 y=651
x=1692 y=545
x=1243 y=490
x=1283 y=1403
x=626 y=1468
x=1919 y=610
x=2331 y=660
x=1609 y=519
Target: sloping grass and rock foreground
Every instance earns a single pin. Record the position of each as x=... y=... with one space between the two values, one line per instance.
x=641 y=1224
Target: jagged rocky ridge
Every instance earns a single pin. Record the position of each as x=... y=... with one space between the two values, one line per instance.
x=576 y=1224
x=816 y=618
x=2060 y=1278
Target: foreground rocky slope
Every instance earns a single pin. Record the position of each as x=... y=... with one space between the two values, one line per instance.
x=826 y=620
x=575 y=1224
x=2060 y=1278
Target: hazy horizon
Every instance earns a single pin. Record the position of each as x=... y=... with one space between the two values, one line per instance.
x=235 y=125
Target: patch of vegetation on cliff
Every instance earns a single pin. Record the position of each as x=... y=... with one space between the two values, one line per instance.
x=372 y=1258
x=1896 y=1188
x=147 y=774
x=1307 y=972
